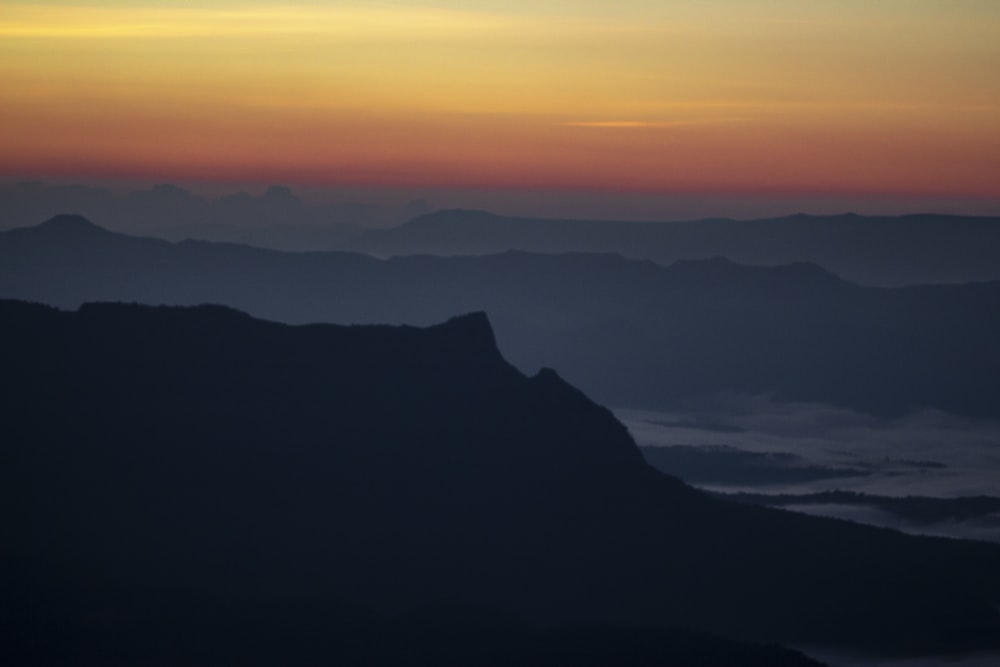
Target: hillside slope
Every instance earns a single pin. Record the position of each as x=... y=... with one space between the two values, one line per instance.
x=201 y=450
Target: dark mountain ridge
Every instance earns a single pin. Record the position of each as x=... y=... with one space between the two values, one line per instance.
x=70 y=223
x=872 y=250
x=629 y=332
x=201 y=450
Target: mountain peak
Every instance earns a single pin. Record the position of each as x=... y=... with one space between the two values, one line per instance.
x=477 y=320
x=71 y=223
x=471 y=331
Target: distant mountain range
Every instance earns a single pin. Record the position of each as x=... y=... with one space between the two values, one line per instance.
x=167 y=459
x=234 y=216
x=628 y=332
x=885 y=251
x=287 y=237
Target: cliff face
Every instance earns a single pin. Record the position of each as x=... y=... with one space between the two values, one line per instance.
x=199 y=449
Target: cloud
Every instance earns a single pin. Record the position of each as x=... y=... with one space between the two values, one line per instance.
x=619 y=124
x=645 y=124
x=827 y=436
x=928 y=453
x=352 y=22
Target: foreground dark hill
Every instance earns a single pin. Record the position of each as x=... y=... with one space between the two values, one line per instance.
x=630 y=333
x=872 y=250
x=159 y=452
x=126 y=627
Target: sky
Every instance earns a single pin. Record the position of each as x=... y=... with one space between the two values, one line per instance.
x=741 y=98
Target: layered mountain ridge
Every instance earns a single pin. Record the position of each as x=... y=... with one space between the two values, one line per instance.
x=629 y=332
x=889 y=251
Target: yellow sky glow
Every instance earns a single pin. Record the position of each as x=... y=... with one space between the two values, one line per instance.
x=762 y=94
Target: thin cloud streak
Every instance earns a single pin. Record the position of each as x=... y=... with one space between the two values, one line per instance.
x=644 y=124
x=354 y=23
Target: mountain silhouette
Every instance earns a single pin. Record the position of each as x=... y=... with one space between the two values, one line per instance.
x=629 y=332
x=70 y=223
x=151 y=452
x=275 y=217
x=872 y=250
x=888 y=251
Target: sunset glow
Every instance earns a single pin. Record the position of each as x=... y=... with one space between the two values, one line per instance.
x=761 y=95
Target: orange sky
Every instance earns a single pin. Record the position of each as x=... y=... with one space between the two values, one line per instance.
x=897 y=96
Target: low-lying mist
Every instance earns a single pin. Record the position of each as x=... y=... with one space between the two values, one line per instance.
x=753 y=444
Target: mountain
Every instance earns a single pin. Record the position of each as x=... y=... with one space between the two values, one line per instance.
x=151 y=453
x=176 y=629
x=883 y=251
x=630 y=333
x=287 y=237
x=275 y=216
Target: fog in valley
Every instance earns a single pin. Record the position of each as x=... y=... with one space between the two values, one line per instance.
x=807 y=448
